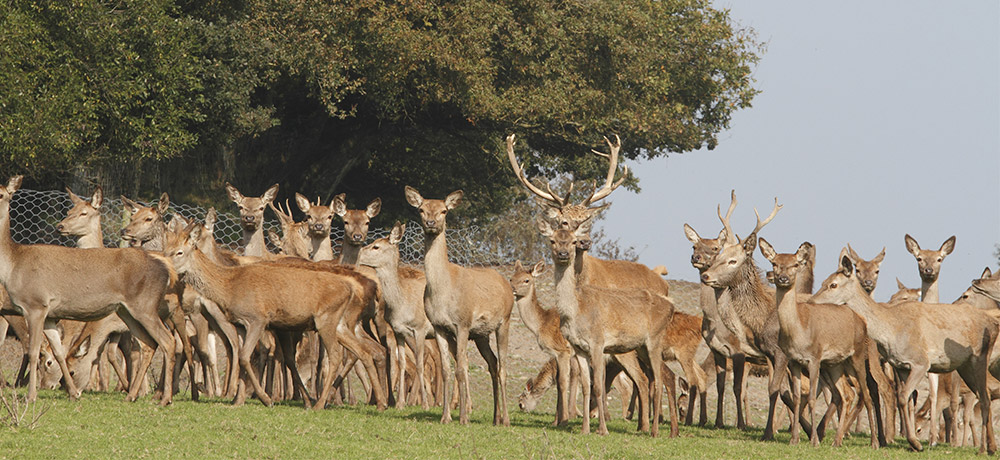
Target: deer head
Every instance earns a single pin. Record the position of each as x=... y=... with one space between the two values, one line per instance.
x=867 y=271
x=433 y=212
x=786 y=267
x=180 y=246
x=84 y=216
x=929 y=261
x=569 y=215
x=147 y=222
x=563 y=241
x=356 y=221
x=842 y=286
x=903 y=294
x=6 y=193
x=735 y=253
x=383 y=252
x=988 y=285
x=523 y=279
x=251 y=208
x=705 y=249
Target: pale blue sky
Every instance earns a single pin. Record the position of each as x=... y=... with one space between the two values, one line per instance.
x=876 y=119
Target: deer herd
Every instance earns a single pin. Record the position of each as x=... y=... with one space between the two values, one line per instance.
x=297 y=322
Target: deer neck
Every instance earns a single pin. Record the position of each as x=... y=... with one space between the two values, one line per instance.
x=348 y=252
x=530 y=311
x=321 y=249
x=254 y=244
x=156 y=242
x=876 y=316
x=389 y=281
x=8 y=248
x=748 y=298
x=788 y=312
x=567 y=302
x=929 y=291
x=92 y=239
x=209 y=279
x=804 y=282
x=436 y=261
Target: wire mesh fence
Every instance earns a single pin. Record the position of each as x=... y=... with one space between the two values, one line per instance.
x=35 y=214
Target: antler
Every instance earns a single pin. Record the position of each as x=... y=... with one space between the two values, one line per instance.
x=730 y=235
x=519 y=172
x=774 y=212
x=283 y=216
x=609 y=182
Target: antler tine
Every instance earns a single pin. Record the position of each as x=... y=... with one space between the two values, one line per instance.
x=609 y=182
x=519 y=172
x=774 y=212
x=730 y=235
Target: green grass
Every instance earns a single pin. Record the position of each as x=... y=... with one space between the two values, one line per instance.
x=105 y=426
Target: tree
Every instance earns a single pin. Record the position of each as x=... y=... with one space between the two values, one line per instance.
x=361 y=97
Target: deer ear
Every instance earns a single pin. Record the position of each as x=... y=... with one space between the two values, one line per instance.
x=899 y=284
x=234 y=194
x=374 y=208
x=691 y=235
x=195 y=232
x=131 y=206
x=339 y=205
x=767 y=250
x=986 y=273
x=769 y=276
x=163 y=204
x=854 y=255
x=84 y=347
x=750 y=244
x=517 y=266
x=413 y=196
x=210 y=217
x=806 y=252
x=453 y=199
x=270 y=193
x=584 y=228
x=880 y=257
x=396 y=235
x=948 y=245
x=911 y=245
x=97 y=198
x=72 y=197
x=846 y=264
x=275 y=239
x=543 y=227
x=14 y=183
x=303 y=202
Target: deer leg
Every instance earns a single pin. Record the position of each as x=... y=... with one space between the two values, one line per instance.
x=178 y=322
x=796 y=384
x=909 y=378
x=483 y=344
x=563 y=387
x=462 y=373
x=357 y=347
x=445 y=343
x=254 y=332
x=232 y=344
x=55 y=343
x=869 y=397
x=114 y=343
x=739 y=390
x=932 y=394
x=975 y=375
x=503 y=340
x=597 y=363
x=630 y=363
x=36 y=325
x=669 y=382
x=773 y=388
x=720 y=387
x=585 y=373
x=288 y=347
x=205 y=352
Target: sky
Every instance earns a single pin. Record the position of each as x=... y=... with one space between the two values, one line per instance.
x=876 y=119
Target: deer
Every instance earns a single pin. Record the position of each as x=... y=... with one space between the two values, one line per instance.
x=252 y=218
x=929 y=266
x=904 y=294
x=463 y=303
x=599 y=320
x=916 y=338
x=544 y=325
x=294 y=240
x=83 y=284
x=273 y=295
x=829 y=341
x=403 y=289
x=867 y=270
x=724 y=344
x=319 y=221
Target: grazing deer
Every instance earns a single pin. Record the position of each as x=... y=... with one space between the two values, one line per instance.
x=929 y=267
x=283 y=297
x=829 y=341
x=605 y=320
x=544 y=325
x=463 y=303
x=724 y=344
x=83 y=284
x=252 y=219
x=916 y=338
x=403 y=289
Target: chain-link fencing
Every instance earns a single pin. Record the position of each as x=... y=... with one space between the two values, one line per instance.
x=35 y=214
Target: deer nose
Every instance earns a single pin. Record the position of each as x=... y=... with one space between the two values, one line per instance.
x=249 y=218
x=358 y=237
x=783 y=279
x=59 y=227
x=695 y=258
x=430 y=223
x=317 y=227
x=928 y=271
x=869 y=283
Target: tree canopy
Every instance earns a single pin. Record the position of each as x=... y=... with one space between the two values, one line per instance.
x=361 y=97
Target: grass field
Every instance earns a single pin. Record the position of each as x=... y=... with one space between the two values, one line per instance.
x=105 y=426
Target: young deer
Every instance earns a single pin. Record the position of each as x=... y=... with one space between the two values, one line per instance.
x=544 y=325
x=403 y=289
x=83 y=284
x=904 y=294
x=463 y=303
x=294 y=240
x=604 y=320
x=284 y=297
x=867 y=270
x=916 y=338
x=829 y=341
x=929 y=266
x=146 y=226
x=252 y=218
x=319 y=222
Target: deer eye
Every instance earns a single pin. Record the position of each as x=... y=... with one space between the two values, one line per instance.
x=876 y=272
x=732 y=261
x=920 y=259
x=83 y=214
x=833 y=285
x=939 y=259
x=149 y=219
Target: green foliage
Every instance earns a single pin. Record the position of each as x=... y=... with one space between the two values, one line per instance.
x=361 y=97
